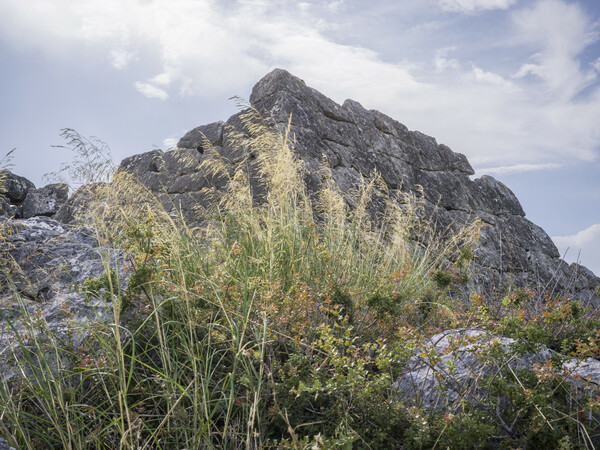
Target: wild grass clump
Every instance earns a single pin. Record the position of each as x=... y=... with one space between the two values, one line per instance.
x=5 y=165
x=282 y=322
x=92 y=160
x=5 y=228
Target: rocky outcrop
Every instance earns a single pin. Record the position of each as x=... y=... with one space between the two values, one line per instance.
x=78 y=202
x=20 y=199
x=13 y=190
x=357 y=142
x=14 y=187
x=175 y=177
x=458 y=365
x=45 y=264
x=7 y=209
x=45 y=201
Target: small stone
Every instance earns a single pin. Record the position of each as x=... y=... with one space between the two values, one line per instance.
x=4 y=445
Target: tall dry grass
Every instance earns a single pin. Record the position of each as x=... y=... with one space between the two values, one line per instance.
x=200 y=348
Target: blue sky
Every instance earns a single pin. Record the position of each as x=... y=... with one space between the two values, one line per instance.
x=513 y=84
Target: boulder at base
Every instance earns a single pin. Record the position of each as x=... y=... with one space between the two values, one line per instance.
x=45 y=261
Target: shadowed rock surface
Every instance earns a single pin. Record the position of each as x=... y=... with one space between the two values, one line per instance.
x=14 y=187
x=80 y=199
x=13 y=190
x=356 y=142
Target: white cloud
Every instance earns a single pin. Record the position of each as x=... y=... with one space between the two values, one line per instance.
x=489 y=77
x=151 y=91
x=596 y=65
x=469 y=6
x=529 y=69
x=584 y=245
x=561 y=31
x=170 y=143
x=442 y=63
x=334 y=6
x=164 y=79
x=517 y=168
x=304 y=6
x=120 y=58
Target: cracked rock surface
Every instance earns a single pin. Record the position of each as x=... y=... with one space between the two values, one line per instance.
x=43 y=261
x=357 y=142
x=458 y=364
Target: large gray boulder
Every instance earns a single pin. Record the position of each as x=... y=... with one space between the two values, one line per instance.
x=45 y=201
x=176 y=177
x=459 y=365
x=357 y=142
x=45 y=265
x=14 y=187
x=7 y=209
x=13 y=190
x=70 y=211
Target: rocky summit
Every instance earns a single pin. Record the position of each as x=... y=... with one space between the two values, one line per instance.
x=356 y=143
x=237 y=325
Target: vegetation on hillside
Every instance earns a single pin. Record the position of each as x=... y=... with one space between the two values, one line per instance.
x=284 y=322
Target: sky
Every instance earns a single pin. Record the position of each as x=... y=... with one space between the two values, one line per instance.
x=512 y=84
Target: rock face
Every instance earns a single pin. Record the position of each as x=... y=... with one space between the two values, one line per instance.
x=45 y=201
x=356 y=142
x=13 y=190
x=175 y=177
x=20 y=199
x=77 y=202
x=457 y=364
x=14 y=187
x=43 y=260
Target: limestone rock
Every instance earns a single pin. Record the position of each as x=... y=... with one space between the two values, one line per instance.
x=176 y=177
x=213 y=133
x=14 y=187
x=44 y=260
x=45 y=201
x=13 y=190
x=4 y=445
x=7 y=209
x=357 y=142
x=456 y=365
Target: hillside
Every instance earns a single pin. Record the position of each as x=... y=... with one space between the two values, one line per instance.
x=303 y=275
x=356 y=144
